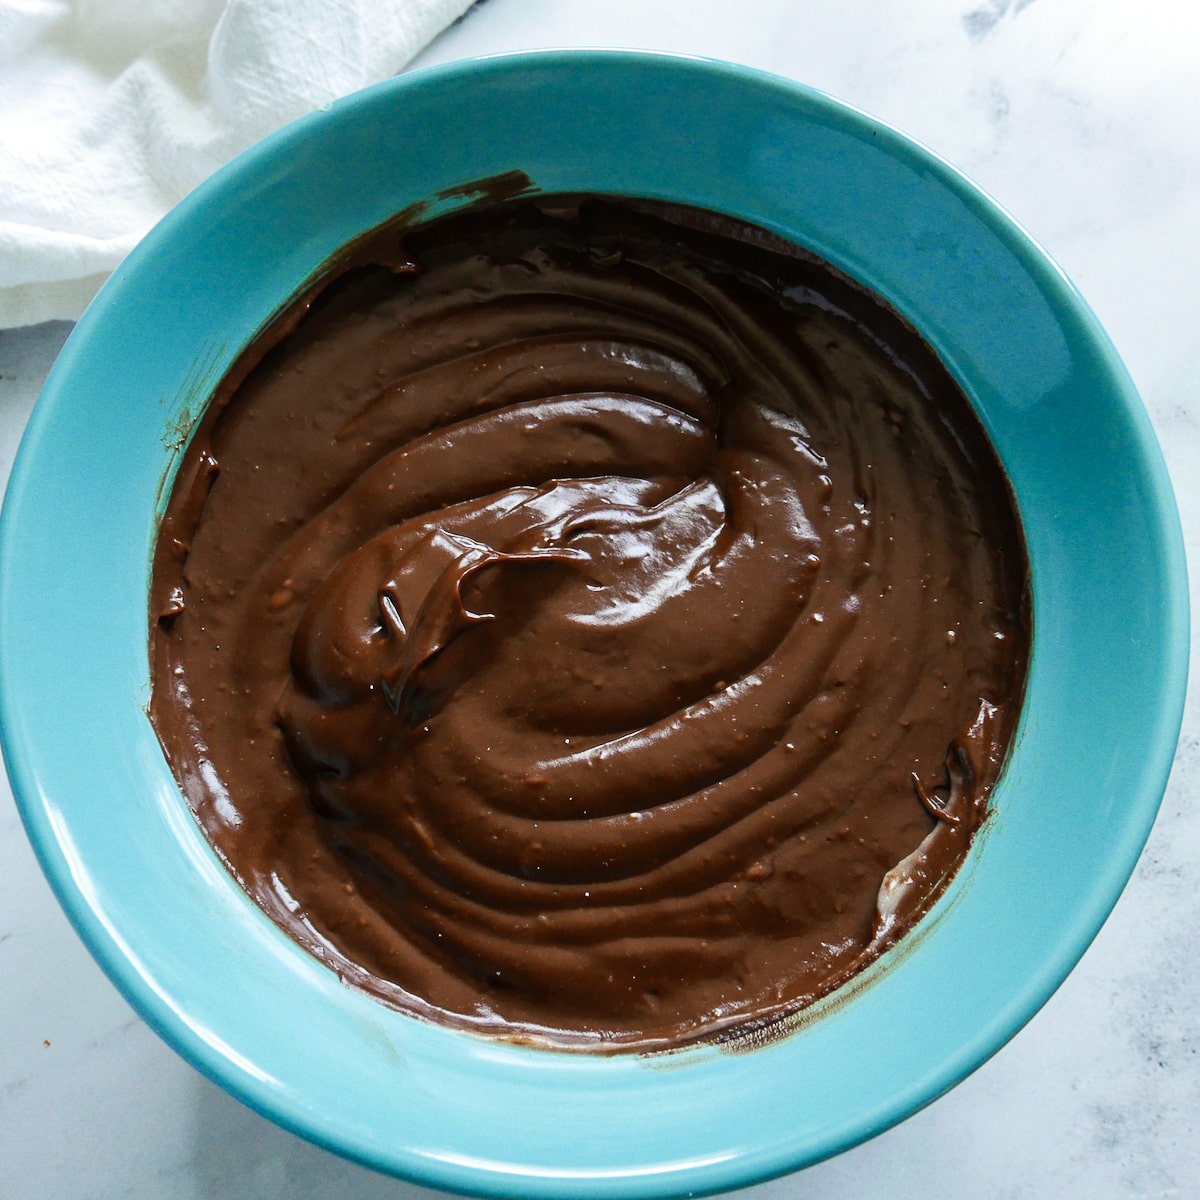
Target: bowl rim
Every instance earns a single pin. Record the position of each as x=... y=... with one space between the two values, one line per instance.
x=52 y=836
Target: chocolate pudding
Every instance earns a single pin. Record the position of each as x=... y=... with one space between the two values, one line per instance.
x=591 y=622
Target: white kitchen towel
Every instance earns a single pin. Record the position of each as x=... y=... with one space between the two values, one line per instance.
x=112 y=110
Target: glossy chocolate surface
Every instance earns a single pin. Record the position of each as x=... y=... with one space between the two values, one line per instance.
x=598 y=622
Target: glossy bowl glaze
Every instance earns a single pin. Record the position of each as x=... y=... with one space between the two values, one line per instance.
x=220 y=982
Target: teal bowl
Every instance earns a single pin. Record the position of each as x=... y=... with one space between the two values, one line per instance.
x=445 y=1108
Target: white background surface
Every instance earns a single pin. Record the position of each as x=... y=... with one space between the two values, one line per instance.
x=1083 y=118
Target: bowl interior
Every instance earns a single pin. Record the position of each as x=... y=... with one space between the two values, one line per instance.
x=238 y=999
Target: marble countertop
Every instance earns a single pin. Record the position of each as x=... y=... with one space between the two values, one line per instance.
x=1082 y=117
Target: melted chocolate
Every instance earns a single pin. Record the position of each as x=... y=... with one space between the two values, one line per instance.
x=603 y=624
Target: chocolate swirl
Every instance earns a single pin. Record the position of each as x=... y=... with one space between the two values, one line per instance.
x=567 y=630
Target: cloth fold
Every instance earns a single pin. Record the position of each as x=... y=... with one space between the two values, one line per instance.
x=112 y=110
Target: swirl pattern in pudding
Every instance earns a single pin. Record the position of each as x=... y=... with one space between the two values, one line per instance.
x=599 y=623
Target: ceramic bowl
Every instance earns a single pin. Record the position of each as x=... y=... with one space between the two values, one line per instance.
x=220 y=982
